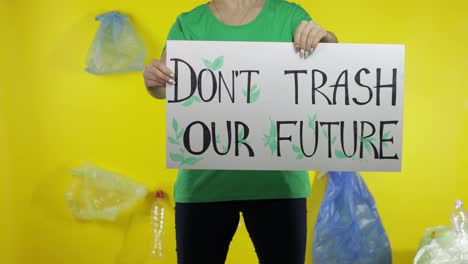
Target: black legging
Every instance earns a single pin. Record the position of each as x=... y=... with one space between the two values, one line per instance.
x=277 y=229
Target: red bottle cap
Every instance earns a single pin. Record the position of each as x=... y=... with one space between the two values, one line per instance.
x=159 y=194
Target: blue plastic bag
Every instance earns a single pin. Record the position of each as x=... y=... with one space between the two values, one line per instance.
x=117 y=47
x=348 y=229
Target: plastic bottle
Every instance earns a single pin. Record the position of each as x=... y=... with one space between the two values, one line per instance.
x=459 y=218
x=157 y=225
x=143 y=241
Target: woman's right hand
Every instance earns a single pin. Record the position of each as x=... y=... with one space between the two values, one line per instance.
x=157 y=74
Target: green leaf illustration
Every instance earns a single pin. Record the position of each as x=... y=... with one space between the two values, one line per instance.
x=254 y=96
x=270 y=139
x=371 y=139
x=312 y=121
x=217 y=63
x=180 y=157
x=188 y=102
x=300 y=156
x=385 y=136
x=208 y=63
x=333 y=140
x=385 y=145
x=225 y=149
x=173 y=141
x=296 y=149
x=217 y=140
x=367 y=146
x=273 y=146
x=191 y=100
x=191 y=161
x=176 y=157
x=339 y=154
x=180 y=134
x=175 y=125
x=196 y=99
x=272 y=129
x=254 y=93
x=240 y=137
x=325 y=133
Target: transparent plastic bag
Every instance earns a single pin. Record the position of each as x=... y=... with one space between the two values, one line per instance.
x=97 y=194
x=348 y=228
x=117 y=46
x=446 y=245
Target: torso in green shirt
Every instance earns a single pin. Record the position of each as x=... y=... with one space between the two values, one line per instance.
x=276 y=22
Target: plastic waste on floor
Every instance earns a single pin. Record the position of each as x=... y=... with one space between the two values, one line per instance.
x=446 y=244
x=98 y=194
x=348 y=228
x=117 y=46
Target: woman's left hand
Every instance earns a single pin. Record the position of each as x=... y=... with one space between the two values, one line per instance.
x=308 y=34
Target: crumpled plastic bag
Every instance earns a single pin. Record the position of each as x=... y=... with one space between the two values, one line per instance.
x=348 y=228
x=446 y=245
x=117 y=46
x=97 y=194
x=441 y=245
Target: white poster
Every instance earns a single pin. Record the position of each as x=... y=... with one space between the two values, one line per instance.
x=259 y=106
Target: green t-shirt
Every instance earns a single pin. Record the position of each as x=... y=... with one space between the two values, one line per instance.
x=276 y=22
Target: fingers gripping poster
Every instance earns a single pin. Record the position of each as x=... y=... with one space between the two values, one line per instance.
x=259 y=106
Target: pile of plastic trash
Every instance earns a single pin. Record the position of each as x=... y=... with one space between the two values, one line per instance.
x=446 y=245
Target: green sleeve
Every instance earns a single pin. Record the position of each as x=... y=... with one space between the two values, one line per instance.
x=298 y=14
x=177 y=32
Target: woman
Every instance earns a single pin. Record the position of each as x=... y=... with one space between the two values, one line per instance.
x=208 y=202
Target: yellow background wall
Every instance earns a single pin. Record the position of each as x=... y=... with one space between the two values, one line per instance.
x=53 y=116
